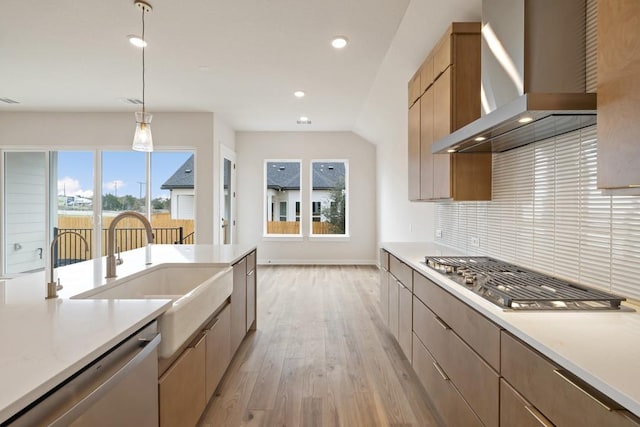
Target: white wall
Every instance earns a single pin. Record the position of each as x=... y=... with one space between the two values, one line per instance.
x=253 y=148
x=383 y=119
x=192 y=131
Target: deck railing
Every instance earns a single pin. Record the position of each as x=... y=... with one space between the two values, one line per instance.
x=71 y=249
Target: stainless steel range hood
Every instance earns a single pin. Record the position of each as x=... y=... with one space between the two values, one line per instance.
x=533 y=76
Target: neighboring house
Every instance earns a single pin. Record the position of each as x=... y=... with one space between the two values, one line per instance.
x=181 y=188
x=283 y=189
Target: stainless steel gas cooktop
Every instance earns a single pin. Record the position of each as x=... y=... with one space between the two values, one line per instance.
x=516 y=288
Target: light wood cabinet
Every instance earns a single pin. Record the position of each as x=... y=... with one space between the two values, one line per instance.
x=251 y=292
x=239 y=304
x=515 y=411
x=448 y=103
x=414 y=164
x=451 y=407
x=181 y=389
x=414 y=88
x=384 y=286
x=401 y=271
x=218 y=350
x=425 y=161
x=618 y=94
x=560 y=396
x=475 y=329
x=405 y=320
x=477 y=383
x=394 y=305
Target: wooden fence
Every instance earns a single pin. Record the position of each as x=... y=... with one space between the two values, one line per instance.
x=293 y=227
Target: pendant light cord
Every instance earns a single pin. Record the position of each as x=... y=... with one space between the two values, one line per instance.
x=144 y=41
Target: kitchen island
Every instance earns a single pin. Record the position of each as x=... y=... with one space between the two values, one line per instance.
x=44 y=342
x=599 y=348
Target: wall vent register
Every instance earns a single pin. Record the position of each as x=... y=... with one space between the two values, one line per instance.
x=515 y=288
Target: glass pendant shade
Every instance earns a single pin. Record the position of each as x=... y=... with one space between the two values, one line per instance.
x=142 y=140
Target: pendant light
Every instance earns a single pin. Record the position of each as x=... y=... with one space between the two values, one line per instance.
x=142 y=140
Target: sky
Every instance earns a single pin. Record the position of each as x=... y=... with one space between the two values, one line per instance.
x=123 y=172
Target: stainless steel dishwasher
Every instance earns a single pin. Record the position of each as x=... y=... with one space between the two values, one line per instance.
x=118 y=389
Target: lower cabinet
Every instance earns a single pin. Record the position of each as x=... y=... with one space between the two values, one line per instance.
x=405 y=321
x=448 y=402
x=218 y=350
x=516 y=411
x=394 y=305
x=384 y=295
x=251 y=292
x=563 y=398
x=182 y=387
x=239 y=304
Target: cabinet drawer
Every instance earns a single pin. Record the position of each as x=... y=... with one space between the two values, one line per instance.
x=564 y=399
x=251 y=300
x=181 y=391
x=251 y=262
x=384 y=259
x=451 y=407
x=472 y=376
x=515 y=411
x=475 y=329
x=218 y=350
x=401 y=271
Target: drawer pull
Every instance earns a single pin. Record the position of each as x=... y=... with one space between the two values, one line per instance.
x=441 y=323
x=440 y=371
x=538 y=416
x=564 y=376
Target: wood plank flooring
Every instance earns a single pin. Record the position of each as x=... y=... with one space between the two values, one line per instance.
x=321 y=357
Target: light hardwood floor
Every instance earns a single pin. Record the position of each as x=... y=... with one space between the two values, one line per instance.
x=321 y=357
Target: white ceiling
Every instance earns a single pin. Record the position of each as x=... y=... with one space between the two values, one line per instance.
x=242 y=59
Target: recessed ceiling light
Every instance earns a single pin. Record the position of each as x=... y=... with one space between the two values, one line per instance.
x=339 y=42
x=303 y=120
x=451 y=150
x=480 y=138
x=525 y=119
x=299 y=93
x=136 y=41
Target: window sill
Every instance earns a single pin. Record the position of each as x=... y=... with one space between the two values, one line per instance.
x=329 y=238
x=282 y=237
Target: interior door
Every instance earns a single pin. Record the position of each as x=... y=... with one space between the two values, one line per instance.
x=227 y=196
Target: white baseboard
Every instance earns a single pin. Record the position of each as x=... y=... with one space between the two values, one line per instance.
x=317 y=262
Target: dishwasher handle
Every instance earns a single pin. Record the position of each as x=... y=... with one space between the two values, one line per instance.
x=147 y=346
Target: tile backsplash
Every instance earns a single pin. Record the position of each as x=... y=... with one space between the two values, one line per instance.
x=548 y=215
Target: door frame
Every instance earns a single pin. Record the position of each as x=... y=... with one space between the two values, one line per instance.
x=227 y=153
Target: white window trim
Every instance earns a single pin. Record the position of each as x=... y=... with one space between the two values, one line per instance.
x=278 y=237
x=329 y=237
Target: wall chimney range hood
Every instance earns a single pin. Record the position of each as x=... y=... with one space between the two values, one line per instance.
x=533 y=76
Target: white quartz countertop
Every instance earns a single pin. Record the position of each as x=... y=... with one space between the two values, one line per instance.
x=601 y=347
x=43 y=342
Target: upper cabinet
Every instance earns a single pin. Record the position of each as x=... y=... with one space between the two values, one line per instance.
x=618 y=94
x=448 y=99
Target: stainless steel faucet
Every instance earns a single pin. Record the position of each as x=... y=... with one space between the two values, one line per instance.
x=53 y=287
x=111 y=238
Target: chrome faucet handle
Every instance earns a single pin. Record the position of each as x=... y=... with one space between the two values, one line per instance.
x=119 y=260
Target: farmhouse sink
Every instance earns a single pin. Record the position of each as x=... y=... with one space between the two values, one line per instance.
x=196 y=292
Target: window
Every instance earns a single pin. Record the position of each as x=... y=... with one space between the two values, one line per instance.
x=282 y=189
x=329 y=195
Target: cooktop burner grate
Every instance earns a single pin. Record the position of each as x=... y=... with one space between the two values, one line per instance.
x=515 y=287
